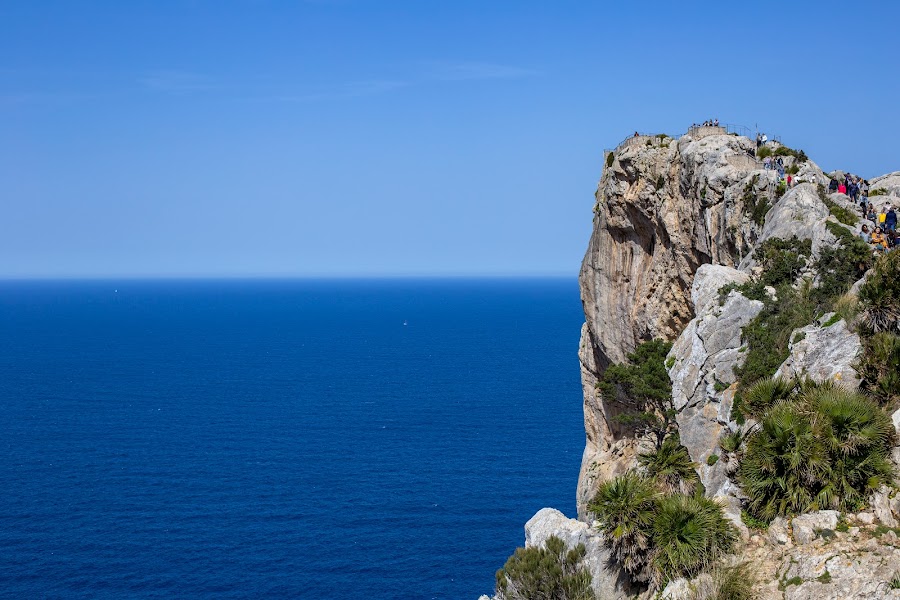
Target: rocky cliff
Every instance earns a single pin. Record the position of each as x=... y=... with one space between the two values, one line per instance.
x=675 y=222
x=664 y=207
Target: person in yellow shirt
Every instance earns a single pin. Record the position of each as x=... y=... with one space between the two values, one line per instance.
x=878 y=240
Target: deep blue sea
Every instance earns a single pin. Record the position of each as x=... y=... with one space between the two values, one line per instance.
x=281 y=439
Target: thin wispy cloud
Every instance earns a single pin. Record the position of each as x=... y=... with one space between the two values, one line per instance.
x=175 y=82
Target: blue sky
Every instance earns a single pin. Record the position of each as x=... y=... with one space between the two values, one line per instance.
x=371 y=137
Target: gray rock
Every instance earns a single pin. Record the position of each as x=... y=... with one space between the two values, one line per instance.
x=880 y=502
x=823 y=353
x=866 y=518
x=703 y=360
x=798 y=213
x=778 y=532
x=805 y=526
x=608 y=581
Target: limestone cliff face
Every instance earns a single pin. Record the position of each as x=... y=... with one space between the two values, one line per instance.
x=675 y=221
x=663 y=209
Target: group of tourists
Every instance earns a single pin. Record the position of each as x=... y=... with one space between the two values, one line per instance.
x=707 y=123
x=761 y=140
x=881 y=229
x=852 y=186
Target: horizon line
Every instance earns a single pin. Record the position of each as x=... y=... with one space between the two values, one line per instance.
x=371 y=277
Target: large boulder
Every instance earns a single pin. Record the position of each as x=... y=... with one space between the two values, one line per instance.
x=799 y=213
x=807 y=527
x=701 y=367
x=606 y=578
x=824 y=351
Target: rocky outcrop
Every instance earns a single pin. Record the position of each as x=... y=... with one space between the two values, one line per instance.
x=890 y=183
x=606 y=579
x=799 y=213
x=825 y=350
x=702 y=371
x=662 y=211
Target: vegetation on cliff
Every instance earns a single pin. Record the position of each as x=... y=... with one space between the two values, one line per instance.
x=657 y=535
x=643 y=386
x=879 y=299
x=818 y=446
x=551 y=572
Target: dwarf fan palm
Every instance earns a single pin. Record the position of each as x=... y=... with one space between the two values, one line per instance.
x=689 y=532
x=785 y=463
x=671 y=466
x=765 y=393
x=625 y=507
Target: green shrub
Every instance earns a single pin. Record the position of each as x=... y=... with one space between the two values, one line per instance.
x=731 y=441
x=550 y=573
x=780 y=189
x=644 y=388
x=841 y=265
x=763 y=151
x=832 y=320
x=841 y=213
x=725 y=290
x=879 y=296
x=782 y=260
x=671 y=466
x=768 y=335
x=609 y=159
x=655 y=536
x=765 y=393
x=738 y=582
x=879 y=368
x=826 y=447
x=878 y=192
x=792 y=170
x=824 y=577
x=625 y=507
x=712 y=459
x=754 y=205
x=800 y=155
x=660 y=182
x=752 y=522
x=894 y=583
x=689 y=533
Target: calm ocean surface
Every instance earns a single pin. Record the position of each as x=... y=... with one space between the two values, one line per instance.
x=281 y=439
